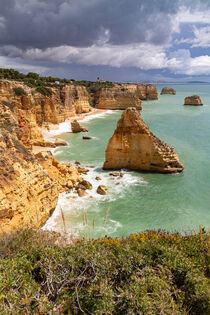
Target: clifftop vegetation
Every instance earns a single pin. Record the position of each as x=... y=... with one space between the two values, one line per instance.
x=146 y=273
x=34 y=80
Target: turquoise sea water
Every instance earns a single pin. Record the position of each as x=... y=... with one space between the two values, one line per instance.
x=140 y=201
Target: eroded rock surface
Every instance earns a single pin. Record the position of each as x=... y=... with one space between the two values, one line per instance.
x=76 y=127
x=193 y=100
x=101 y=190
x=142 y=91
x=116 y=98
x=33 y=109
x=29 y=185
x=167 y=90
x=134 y=146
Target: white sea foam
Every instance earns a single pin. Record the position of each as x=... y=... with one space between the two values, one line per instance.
x=57 y=152
x=97 y=115
x=59 y=129
x=73 y=206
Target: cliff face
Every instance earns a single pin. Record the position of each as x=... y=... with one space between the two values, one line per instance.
x=142 y=91
x=33 y=109
x=134 y=146
x=29 y=188
x=116 y=98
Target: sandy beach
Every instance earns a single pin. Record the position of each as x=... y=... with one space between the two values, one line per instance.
x=52 y=131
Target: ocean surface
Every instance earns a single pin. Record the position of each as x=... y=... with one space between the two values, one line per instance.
x=140 y=201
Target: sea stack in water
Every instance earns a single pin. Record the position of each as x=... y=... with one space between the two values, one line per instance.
x=76 y=127
x=193 y=100
x=167 y=90
x=133 y=146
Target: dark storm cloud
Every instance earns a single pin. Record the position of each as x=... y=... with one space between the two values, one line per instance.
x=49 y=23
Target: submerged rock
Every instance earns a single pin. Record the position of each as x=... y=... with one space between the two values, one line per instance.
x=193 y=100
x=114 y=174
x=134 y=146
x=167 y=90
x=76 y=127
x=81 y=192
x=86 y=138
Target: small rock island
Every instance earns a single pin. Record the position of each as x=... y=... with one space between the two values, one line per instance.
x=194 y=100
x=167 y=90
x=134 y=146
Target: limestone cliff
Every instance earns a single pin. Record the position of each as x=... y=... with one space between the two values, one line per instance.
x=134 y=146
x=116 y=98
x=33 y=109
x=142 y=91
x=29 y=187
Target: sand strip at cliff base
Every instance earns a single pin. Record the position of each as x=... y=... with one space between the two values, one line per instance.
x=54 y=130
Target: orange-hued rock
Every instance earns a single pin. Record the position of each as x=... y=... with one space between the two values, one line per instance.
x=142 y=91
x=33 y=109
x=27 y=194
x=76 y=127
x=134 y=146
x=116 y=98
x=101 y=190
x=62 y=173
x=167 y=90
x=29 y=186
x=193 y=100
x=60 y=142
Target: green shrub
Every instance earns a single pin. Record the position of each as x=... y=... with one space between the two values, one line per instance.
x=44 y=91
x=19 y=91
x=92 y=102
x=146 y=273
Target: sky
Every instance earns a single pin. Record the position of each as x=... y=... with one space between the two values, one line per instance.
x=116 y=40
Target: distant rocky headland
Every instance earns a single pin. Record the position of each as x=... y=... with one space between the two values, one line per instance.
x=123 y=95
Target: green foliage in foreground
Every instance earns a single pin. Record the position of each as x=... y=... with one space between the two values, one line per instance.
x=147 y=273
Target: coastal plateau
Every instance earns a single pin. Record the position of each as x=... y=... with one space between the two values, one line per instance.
x=122 y=96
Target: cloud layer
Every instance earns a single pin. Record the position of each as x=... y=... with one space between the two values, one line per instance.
x=116 y=33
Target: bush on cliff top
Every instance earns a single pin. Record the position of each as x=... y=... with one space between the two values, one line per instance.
x=146 y=273
x=44 y=91
x=19 y=91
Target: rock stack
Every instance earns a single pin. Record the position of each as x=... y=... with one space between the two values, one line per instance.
x=76 y=127
x=167 y=90
x=134 y=146
x=193 y=100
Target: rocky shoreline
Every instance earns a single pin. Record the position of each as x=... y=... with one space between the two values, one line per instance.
x=30 y=124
